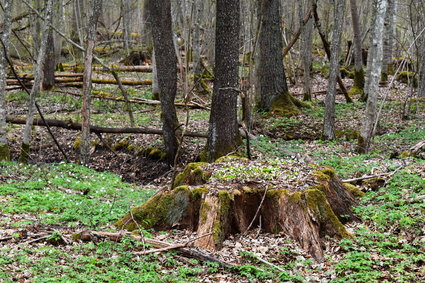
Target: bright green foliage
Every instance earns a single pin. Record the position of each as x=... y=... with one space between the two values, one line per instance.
x=67 y=193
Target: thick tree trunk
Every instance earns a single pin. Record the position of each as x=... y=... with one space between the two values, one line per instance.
x=26 y=140
x=374 y=68
x=223 y=134
x=329 y=121
x=272 y=87
x=358 y=86
x=96 y=8
x=307 y=215
x=4 y=47
x=166 y=64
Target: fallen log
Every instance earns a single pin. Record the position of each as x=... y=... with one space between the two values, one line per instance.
x=109 y=96
x=70 y=125
x=139 y=69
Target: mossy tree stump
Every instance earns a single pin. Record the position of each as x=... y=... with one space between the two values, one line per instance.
x=305 y=201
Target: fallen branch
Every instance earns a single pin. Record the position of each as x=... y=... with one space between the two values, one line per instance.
x=417 y=147
x=109 y=96
x=187 y=252
x=372 y=176
x=70 y=125
x=171 y=247
x=140 y=69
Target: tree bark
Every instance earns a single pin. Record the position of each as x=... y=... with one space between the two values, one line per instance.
x=375 y=67
x=328 y=50
x=358 y=86
x=49 y=64
x=166 y=64
x=126 y=18
x=4 y=47
x=26 y=140
x=272 y=87
x=388 y=40
x=307 y=49
x=329 y=121
x=96 y=8
x=421 y=90
x=223 y=134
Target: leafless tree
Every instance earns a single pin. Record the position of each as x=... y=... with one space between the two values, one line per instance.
x=375 y=68
x=223 y=134
x=95 y=10
x=329 y=121
x=4 y=46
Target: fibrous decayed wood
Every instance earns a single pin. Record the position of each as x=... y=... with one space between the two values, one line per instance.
x=304 y=201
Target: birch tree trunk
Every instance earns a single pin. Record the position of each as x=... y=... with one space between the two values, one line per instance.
x=388 y=40
x=223 y=134
x=38 y=74
x=96 y=9
x=359 y=79
x=4 y=47
x=376 y=51
x=329 y=121
x=166 y=66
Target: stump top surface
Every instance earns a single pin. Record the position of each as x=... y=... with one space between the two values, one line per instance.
x=286 y=174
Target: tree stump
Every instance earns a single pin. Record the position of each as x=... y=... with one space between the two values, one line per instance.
x=305 y=201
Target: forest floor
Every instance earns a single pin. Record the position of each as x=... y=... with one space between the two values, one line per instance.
x=42 y=204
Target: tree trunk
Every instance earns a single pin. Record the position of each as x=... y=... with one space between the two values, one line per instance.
x=126 y=18
x=307 y=49
x=358 y=86
x=26 y=140
x=166 y=65
x=197 y=47
x=223 y=134
x=155 y=87
x=307 y=215
x=375 y=67
x=329 y=121
x=388 y=41
x=96 y=9
x=273 y=90
x=421 y=90
x=49 y=65
x=4 y=47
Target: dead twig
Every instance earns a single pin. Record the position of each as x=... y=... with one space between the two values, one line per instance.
x=172 y=247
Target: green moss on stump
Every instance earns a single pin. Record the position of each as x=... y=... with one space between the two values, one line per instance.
x=24 y=156
x=162 y=210
x=192 y=175
x=284 y=106
x=325 y=174
x=4 y=153
x=224 y=200
x=407 y=77
x=319 y=207
x=355 y=191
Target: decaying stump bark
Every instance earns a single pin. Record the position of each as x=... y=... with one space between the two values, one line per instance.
x=224 y=198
